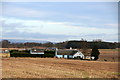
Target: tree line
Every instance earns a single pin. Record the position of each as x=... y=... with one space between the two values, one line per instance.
x=90 y=45
x=63 y=45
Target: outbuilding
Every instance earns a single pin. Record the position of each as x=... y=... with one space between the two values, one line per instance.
x=37 y=51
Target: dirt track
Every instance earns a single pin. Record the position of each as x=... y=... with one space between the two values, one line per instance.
x=57 y=68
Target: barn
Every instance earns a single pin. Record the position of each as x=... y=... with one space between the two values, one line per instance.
x=68 y=54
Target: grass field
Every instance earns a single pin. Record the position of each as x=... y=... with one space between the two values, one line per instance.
x=107 y=51
x=109 y=54
x=61 y=68
x=57 y=68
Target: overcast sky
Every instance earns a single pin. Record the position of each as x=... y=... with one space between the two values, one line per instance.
x=60 y=21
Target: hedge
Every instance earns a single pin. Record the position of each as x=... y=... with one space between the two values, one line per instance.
x=26 y=53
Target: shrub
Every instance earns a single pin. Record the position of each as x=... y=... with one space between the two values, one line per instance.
x=49 y=53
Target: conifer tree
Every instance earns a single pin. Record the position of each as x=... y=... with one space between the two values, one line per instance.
x=95 y=53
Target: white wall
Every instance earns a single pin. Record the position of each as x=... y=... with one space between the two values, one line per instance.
x=78 y=54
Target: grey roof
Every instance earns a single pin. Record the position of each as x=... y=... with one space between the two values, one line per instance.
x=66 y=52
x=37 y=50
x=51 y=48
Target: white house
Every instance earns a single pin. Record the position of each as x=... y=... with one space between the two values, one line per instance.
x=63 y=53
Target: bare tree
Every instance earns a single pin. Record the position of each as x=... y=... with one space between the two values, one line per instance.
x=84 y=49
x=5 y=44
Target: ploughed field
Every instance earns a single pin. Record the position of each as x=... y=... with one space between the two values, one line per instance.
x=111 y=55
x=57 y=68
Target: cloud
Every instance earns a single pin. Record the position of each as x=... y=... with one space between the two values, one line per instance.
x=105 y=37
x=60 y=21
x=55 y=31
x=49 y=27
x=112 y=25
x=15 y=11
x=34 y=36
x=92 y=14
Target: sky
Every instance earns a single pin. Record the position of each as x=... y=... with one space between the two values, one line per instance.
x=60 y=21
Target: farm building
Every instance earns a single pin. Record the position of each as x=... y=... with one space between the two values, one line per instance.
x=59 y=53
x=42 y=53
x=50 y=49
x=63 y=53
x=37 y=51
x=4 y=51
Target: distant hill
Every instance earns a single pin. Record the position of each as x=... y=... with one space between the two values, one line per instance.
x=24 y=41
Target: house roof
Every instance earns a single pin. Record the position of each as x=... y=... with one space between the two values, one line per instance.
x=39 y=47
x=51 y=48
x=37 y=50
x=66 y=52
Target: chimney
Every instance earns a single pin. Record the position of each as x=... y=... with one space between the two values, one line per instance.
x=70 y=48
x=56 y=51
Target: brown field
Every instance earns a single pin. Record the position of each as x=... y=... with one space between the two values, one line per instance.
x=109 y=54
x=107 y=51
x=61 y=68
x=57 y=68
